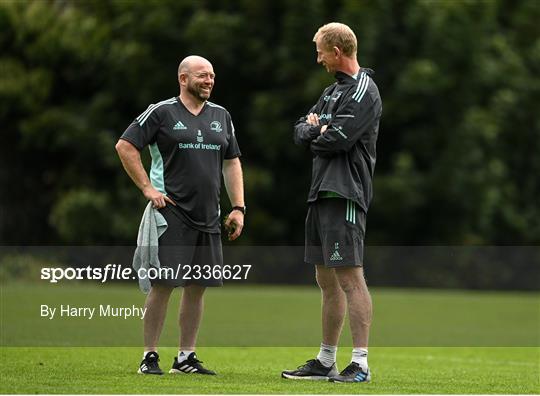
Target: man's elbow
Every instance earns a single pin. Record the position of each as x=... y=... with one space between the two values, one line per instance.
x=123 y=147
x=119 y=146
x=297 y=138
x=323 y=154
x=327 y=152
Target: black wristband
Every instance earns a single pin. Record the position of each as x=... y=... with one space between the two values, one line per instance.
x=240 y=208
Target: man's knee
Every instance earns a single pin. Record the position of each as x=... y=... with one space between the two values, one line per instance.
x=194 y=291
x=330 y=288
x=326 y=279
x=349 y=286
x=161 y=290
x=351 y=279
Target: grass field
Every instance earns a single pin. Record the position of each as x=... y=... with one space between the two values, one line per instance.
x=257 y=370
x=274 y=316
x=423 y=341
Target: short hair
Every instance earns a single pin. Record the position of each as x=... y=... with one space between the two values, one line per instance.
x=339 y=35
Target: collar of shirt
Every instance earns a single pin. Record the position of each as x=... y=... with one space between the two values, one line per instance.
x=347 y=78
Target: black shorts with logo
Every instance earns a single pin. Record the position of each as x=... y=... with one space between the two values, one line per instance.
x=335 y=230
x=191 y=254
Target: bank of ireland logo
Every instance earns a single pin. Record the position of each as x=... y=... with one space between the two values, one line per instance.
x=179 y=126
x=200 y=138
x=216 y=126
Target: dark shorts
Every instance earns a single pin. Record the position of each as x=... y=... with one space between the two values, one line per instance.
x=191 y=255
x=335 y=229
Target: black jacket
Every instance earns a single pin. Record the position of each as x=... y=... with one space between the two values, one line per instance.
x=344 y=156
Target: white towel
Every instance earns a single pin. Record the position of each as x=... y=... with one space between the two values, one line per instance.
x=153 y=225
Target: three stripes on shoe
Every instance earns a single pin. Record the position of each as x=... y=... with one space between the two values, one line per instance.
x=186 y=368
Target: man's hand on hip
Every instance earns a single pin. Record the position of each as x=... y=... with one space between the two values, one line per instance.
x=234 y=224
x=159 y=200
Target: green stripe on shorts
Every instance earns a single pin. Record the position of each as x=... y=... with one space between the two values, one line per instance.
x=351 y=212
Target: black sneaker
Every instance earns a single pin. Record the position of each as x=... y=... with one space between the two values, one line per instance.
x=352 y=373
x=191 y=365
x=313 y=370
x=149 y=364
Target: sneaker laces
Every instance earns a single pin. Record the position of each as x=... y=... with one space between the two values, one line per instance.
x=309 y=363
x=196 y=362
x=152 y=361
x=351 y=369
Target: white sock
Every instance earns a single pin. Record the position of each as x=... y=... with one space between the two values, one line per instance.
x=359 y=355
x=147 y=351
x=327 y=355
x=183 y=354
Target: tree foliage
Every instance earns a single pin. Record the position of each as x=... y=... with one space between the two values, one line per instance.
x=458 y=153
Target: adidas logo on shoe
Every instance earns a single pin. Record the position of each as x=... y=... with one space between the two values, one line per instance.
x=191 y=365
x=353 y=373
x=150 y=365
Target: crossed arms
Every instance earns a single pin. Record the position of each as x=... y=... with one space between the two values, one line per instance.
x=351 y=121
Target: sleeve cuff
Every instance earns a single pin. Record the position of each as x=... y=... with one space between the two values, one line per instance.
x=315 y=131
x=130 y=140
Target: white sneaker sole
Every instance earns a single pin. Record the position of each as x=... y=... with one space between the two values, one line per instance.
x=368 y=380
x=306 y=378
x=350 y=382
x=175 y=371
x=140 y=372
